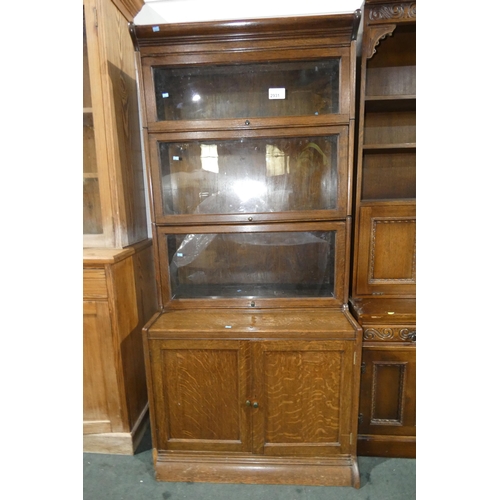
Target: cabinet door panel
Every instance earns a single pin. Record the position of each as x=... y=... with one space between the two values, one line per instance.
x=303 y=391
x=387 y=250
x=201 y=389
x=388 y=385
x=100 y=402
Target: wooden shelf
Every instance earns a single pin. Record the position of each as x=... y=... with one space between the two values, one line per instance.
x=390 y=148
x=390 y=103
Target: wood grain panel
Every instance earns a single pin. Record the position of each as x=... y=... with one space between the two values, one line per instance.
x=301 y=404
x=303 y=392
x=203 y=401
x=94 y=284
x=393 y=251
x=388 y=389
x=387 y=405
x=96 y=325
x=200 y=395
x=386 y=260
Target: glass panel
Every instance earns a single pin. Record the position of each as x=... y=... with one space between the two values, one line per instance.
x=92 y=219
x=389 y=176
x=89 y=150
x=247 y=90
x=92 y=222
x=269 y=265
x=249 y=175
x=87 y=101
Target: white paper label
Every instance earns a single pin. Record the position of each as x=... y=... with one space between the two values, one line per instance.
x=165 y=94
x=176 y=158
x=276 y=93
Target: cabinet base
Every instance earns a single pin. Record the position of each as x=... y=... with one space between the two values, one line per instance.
x=387 y=446
x=117 y=443
x=243 y=470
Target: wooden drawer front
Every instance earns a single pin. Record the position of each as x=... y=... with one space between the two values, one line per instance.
x=94 y=284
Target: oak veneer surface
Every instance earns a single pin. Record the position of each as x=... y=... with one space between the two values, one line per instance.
x=252 y=323
x=381 y=310
x=244 y=390
x=387 y=411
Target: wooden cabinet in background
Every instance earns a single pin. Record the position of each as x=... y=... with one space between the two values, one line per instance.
x=119 y=287
x=117 y=302
x=114 y=198
x=383 y=283
x=387 y=408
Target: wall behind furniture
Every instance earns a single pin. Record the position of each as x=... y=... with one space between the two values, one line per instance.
x=182 y=11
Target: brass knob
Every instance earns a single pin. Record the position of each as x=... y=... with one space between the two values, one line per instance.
x=255 y=404
x=250 y=219
x=247 y=402
x=247 y=122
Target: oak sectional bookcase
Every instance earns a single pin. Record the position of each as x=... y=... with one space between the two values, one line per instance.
x=383 y=283
x=254 y=359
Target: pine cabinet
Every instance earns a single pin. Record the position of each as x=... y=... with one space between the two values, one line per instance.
x=253 y=360
x=119 y=287
x=383 y=281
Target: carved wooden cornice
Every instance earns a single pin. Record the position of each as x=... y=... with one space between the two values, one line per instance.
x=340 y=27
x=402 y=11
x=393 y=334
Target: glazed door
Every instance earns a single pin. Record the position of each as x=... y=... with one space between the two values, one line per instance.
x=200 y=391
x=302 y=397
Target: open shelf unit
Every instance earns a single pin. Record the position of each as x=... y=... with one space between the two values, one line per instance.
x=383 y=280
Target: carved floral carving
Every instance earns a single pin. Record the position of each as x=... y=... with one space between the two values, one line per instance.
x=393 y=11
x=388 y=334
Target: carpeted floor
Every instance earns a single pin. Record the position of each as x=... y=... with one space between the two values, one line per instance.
x=118 y=477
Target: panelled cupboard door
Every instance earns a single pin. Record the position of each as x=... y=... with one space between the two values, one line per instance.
x=388 y=391
x=303 y=389
x=387 y=251
x=200 y=390
x=275 y=398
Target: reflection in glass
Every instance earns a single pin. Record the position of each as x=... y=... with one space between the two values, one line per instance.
x=249 y=175
x=247 y=90
x=270 y=265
